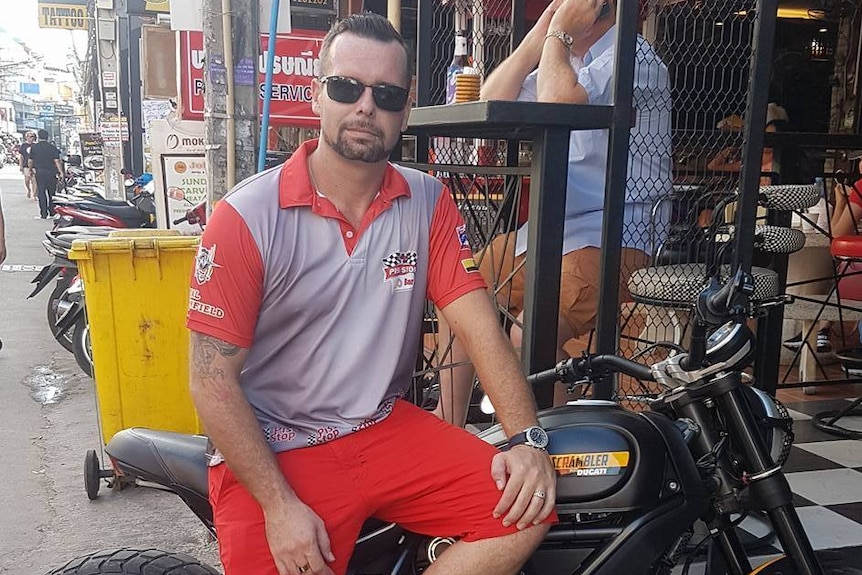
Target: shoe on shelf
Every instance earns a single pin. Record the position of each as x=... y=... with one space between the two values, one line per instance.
x=823 y=343
x=794 y=342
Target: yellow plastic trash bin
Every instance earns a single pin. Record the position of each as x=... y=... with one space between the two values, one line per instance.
x=137 y=290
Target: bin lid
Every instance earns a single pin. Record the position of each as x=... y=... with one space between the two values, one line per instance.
x=136 y=245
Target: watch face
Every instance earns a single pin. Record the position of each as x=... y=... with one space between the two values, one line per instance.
x=537 y=437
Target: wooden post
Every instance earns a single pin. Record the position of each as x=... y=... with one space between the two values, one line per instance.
x=110 y=106
x=215 y=102
x=246 y=50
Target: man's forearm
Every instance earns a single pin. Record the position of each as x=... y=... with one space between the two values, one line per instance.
x=474 y=322
x=557 y=81
x=233 y=427
x=504 y=83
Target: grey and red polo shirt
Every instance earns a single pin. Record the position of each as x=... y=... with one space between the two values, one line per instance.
x=331 y=315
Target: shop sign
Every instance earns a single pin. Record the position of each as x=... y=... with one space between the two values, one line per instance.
x=315 y=5
x=113 y=129
x=158 y=6
x=185 y=182
x=65 y=15
x=92 y=155
x=296 y=64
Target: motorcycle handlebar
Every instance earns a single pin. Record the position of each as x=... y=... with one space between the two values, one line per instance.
x=180 y=220
x=575 y=369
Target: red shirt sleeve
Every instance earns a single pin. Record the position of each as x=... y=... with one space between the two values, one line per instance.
x=227 y=283
x=856 y=194
x=452 y=270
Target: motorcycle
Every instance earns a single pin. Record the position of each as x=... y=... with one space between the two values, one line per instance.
x=137 y=211
x=64 y=313
x=632 y=488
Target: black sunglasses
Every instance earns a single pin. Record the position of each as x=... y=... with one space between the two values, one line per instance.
x=348 y=91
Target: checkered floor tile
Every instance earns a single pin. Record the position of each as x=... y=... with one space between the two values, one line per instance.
x=825 y=473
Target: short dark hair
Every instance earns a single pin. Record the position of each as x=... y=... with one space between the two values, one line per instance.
x=366 y=25
x=43 y=134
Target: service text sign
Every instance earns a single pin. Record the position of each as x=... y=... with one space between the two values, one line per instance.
x=296 y=63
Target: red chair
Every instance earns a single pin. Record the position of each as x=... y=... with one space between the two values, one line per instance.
x=847 y=251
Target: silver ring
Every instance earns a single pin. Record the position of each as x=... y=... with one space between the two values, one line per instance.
x=304 y=568
x=539 y=494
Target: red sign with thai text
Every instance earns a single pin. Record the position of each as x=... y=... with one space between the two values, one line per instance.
x=296 y=64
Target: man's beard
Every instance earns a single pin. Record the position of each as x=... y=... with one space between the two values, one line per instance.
x=371 y=152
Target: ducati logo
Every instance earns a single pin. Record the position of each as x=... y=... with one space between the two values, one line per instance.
x=204 y=264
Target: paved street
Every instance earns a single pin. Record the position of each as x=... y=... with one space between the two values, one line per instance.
x=48 y=420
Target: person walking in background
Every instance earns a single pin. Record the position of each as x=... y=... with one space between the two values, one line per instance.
x=45 y=160
x=24 y=164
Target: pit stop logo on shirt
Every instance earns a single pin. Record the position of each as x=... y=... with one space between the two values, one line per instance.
x=399 y=270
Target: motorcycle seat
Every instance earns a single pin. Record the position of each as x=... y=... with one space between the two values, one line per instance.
x=63 y=237
x=164 y=457
x=121 y=210
x=91 y=230
x=64 y=241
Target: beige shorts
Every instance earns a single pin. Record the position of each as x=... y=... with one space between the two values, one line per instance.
x=580 y=277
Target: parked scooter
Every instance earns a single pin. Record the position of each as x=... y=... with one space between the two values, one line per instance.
x=65 y=309
x=631 y=485
x=137 y=211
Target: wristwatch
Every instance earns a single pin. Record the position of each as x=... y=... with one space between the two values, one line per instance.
x=533 y=436
x=561 y=36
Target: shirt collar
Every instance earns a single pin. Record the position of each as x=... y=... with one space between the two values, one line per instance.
x=607 y=41
x=296 y=190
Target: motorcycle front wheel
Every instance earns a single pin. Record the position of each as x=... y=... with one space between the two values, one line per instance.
x=833 y=561
x=55 y=310
x=135 y=562
x=81 y=346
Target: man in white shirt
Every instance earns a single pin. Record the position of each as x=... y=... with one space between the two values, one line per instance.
x=568 y=57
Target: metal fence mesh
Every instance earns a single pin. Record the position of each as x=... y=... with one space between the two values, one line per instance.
x=706 y=50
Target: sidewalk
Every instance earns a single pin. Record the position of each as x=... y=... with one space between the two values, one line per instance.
x=47 y=422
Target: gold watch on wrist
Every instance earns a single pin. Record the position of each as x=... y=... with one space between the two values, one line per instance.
x=561 y=36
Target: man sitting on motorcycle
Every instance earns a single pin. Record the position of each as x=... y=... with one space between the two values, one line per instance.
x=306 y=308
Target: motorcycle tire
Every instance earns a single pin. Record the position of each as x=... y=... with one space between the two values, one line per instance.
x=833 y=561
x=53 y=300
x=135 y=562
x=81 y=348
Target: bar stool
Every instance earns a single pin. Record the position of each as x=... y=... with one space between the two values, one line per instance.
x=676 y=286
x=846 y=250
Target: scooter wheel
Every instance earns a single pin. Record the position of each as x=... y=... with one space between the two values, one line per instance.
x=92 y=474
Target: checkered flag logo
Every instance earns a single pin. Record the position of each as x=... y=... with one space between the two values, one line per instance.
x=400 y=259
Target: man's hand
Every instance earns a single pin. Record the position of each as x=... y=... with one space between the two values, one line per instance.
x=524 y=474
x=576 y=17
x=298 y=540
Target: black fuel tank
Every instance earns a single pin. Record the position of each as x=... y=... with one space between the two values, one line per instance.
x=606 y=457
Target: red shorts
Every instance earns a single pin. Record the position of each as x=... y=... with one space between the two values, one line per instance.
x=412 y=469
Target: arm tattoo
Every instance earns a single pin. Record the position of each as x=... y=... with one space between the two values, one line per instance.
x=205 y=349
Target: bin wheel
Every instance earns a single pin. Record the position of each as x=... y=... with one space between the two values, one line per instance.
x=92 y=474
